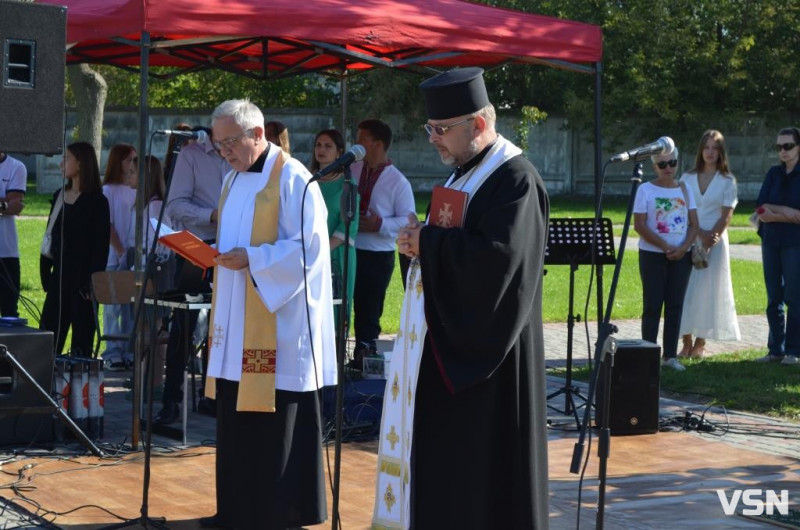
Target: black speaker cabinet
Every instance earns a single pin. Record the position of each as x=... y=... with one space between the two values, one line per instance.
x=33 y=40
x=24 y=414
x=634 y=388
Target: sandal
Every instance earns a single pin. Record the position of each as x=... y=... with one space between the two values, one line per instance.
x=686 y=351
x=698 y=352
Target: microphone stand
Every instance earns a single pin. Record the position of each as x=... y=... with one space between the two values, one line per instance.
x=606 y=345
x=347 y=206
x=150 y=276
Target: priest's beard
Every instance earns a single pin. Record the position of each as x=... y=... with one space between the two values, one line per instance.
x=458 y=159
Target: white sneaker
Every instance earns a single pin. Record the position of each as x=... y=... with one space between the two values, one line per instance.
x=790 y=359
x=673 y=363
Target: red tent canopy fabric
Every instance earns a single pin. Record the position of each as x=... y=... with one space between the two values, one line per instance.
x=274 y=37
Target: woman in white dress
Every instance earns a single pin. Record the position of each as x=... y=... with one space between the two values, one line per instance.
x=709 y=311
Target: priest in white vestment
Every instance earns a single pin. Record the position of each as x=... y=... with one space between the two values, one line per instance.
x=271 y=332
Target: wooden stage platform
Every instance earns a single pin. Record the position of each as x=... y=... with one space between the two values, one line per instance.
x=665 y=480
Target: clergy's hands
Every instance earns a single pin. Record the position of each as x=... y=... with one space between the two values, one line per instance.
x=234 y=259
x=408 y=237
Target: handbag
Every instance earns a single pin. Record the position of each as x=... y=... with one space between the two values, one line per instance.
x=47 y=241
x=700 y=255
x=699 y=252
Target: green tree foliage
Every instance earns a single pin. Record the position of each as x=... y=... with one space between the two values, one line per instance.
x=205 y=90
x=669 y=67
x=676 y=66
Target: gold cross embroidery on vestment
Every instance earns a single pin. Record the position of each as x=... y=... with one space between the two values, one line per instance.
x=395 y=387
x=389 y=498
x=392 y=437
x=413 y=336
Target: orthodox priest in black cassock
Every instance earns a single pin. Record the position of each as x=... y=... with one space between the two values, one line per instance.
x=477 y=456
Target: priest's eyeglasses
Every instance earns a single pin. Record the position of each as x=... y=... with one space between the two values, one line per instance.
x=228 y=143
x=441 y=130
x=663 y=164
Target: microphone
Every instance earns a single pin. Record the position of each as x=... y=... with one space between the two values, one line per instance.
x=200 y=135
x=663 y=145
x=356 y=153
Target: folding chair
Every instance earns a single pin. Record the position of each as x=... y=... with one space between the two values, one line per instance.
x=111 y=287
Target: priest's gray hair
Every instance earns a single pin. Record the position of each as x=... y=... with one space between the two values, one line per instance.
x=246 y=115
x=487 y=113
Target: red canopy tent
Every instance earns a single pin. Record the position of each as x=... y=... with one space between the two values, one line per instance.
x=268 y=39
x=280 y=37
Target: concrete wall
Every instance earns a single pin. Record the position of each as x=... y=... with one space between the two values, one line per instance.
x=564 y=158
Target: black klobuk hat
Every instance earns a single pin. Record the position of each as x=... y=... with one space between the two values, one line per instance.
x=454 y=93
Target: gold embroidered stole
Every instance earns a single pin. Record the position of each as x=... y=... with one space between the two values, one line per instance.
x=259 y=358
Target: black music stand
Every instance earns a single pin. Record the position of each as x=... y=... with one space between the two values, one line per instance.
x=569 y=242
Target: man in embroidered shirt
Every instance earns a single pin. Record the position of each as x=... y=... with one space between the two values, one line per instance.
x=13 y=178
x=267 y=362
x=386 y=202
x=464 y=419
x=194 y=194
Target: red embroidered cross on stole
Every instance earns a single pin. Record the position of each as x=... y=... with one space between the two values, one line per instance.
x=259 y=361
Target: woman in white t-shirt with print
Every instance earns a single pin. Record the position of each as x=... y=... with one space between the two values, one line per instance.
x=665 y=217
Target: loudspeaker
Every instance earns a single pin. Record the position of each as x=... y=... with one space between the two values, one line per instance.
x=634 y=385
x=24 y=414
x=33 y=39
x=362 y=405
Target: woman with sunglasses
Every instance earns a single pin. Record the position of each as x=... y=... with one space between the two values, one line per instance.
x=665 y=217
x=779 y=212
x=709 y=311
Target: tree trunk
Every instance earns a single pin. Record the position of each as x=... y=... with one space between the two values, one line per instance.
x=90 y=90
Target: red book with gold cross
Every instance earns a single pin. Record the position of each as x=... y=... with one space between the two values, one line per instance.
x=448 y=207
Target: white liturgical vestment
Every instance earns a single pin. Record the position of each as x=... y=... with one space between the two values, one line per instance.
x=277 y=272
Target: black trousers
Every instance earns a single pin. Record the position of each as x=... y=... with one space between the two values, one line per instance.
x=9 y=286
x=663 y=286
x=373 y=274
x=64 y=306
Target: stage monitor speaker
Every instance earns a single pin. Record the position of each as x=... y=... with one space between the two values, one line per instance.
x=634 y=388
x=33 y=39
x=24 y=417
x=362 y=406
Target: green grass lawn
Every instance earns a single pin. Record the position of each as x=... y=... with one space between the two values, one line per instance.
x=30 y=233
x=748 y=281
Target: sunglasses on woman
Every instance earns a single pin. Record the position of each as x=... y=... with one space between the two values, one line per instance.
x=785 y=147
x=663 y=164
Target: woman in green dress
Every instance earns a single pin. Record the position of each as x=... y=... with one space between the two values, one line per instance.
x=328 y=146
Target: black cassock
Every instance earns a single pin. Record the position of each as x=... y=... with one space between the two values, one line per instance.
x=479 y=453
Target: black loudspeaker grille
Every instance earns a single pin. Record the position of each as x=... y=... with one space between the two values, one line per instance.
x=19 y=424
x=635 y=380
x=32 y=57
